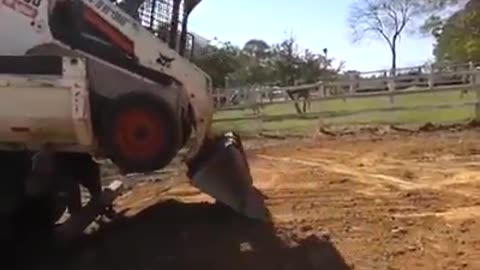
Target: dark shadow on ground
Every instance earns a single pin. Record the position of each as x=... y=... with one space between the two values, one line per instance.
x=174 y=235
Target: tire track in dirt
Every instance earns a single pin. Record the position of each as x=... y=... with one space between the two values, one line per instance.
x=399 y=208
x=456 y=213
x=380 y=185
x=364 y=178
x=377 y=180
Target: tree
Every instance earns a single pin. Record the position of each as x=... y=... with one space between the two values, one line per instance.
x=457 y=32
x=385 y=19
x=259 y=63
x=314 y=66
x=255 y=66
x=286 y=61
x=219 y=61
x=458 y=38
x=257 y=48
x=439 y=11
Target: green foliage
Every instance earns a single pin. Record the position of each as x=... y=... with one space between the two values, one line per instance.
x=257 y=48
x=458 y=39
x=218 y=61
x=437 y=13
x=315 y=66
x=432 y=25
x=287 y=61
x=261 y=63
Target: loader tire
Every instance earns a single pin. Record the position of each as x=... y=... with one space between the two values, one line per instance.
x=140 y=132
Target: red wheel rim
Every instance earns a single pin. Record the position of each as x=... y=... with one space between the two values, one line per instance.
x=138 y=133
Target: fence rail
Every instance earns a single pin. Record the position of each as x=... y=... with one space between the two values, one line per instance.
x=450 y=88
x=367 y=84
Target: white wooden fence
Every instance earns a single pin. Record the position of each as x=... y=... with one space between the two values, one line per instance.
x=418 y=79
x=373 y=83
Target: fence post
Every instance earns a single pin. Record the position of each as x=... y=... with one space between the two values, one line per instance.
x=351 y=85
x=260 y=116
x=321 y=90
x=391 y=86
x=431 y=77
x=477 y=105
x=254 y=103
x=473 y=76
x=326 y=89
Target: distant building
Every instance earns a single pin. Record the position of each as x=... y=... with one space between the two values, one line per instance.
x=200 y=41
x=200 y=44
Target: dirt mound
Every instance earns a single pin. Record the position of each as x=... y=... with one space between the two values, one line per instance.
x=175 y=235
x=395 y=200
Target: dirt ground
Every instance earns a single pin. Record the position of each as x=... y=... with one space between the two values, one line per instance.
x=395 y=201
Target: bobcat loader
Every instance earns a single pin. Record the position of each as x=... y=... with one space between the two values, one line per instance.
x=89 y=78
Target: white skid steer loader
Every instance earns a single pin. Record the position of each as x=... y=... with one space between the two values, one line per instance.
x=86 y=78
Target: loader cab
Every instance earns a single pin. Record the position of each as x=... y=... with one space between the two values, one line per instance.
x=171 y=29
x=73 y=23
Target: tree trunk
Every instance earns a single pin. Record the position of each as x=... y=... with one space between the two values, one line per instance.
x=393 y=48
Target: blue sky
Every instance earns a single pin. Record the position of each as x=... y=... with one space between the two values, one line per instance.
x=316 y=24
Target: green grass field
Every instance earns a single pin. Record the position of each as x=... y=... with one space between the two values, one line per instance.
x=347 y=108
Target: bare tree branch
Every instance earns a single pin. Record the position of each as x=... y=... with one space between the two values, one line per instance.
x=386 y=19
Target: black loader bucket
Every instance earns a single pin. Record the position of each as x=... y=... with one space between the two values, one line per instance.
x=221 y=170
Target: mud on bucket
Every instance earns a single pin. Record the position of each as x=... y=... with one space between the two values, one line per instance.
x=221 y=170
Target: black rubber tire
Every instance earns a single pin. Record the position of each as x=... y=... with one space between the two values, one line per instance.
x=123 y=140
